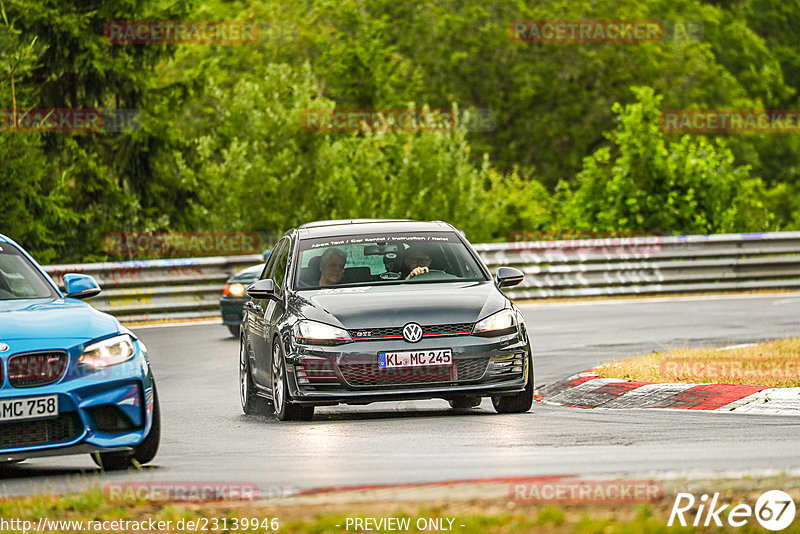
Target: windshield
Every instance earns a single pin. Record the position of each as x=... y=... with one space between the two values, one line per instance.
x=248 y=275
x=373 y=259
x=19 y=279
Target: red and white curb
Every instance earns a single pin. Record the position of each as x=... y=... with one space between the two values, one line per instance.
x=588 y=390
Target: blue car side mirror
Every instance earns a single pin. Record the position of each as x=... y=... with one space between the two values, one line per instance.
x=80 y=286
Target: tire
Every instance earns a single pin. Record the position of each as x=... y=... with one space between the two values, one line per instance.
x=519 y=403
x=143 y=453
x=251 y=403
x=465 y=403
x=284 y=409
x=234 y=330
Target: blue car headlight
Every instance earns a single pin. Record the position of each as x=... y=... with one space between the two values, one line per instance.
x=108 y=352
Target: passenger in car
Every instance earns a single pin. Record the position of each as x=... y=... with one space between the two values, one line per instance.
x=331 y=266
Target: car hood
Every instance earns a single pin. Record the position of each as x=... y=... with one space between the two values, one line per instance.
x=24 y=319
x=396 y=305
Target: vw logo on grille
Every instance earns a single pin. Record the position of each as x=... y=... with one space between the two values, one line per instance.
x=412 y=332
x=3 y=347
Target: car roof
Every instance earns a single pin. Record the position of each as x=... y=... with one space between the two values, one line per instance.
x=8 y=241
x=336 y=222
x=249 y=271
x=368 y=226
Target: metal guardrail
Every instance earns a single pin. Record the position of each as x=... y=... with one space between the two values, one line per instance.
x=652 y=265
x=186 y=288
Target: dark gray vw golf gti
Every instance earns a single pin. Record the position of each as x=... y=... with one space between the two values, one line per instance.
x=374 y=310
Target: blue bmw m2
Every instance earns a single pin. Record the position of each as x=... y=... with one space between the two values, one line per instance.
x=72 y=379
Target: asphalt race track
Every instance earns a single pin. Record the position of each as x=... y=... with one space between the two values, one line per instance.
x=207 y=438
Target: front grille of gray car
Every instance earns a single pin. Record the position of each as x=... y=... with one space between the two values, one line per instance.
x=369 y=374
x=65 y=427
x=368 y=334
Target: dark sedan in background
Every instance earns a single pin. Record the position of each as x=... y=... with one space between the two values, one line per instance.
x=371 y=310
x=234 y=297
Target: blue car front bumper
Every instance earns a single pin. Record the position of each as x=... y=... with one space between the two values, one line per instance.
x=98 y=411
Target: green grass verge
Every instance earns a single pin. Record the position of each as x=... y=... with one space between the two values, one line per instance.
x=773 y=364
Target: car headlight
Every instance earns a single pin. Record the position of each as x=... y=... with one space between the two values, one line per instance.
x=110 y=351
x=313 y=333
x=233 y=290
x=498 y=324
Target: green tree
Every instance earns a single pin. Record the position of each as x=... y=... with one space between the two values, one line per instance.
x=31 y=195
x=552 y=100
x=261 y=171
x=773 y=156
x=641 y=182
x=110 y=181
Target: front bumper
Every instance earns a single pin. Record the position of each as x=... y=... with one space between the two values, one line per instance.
x=324 y=375
x=81 y=448
x=110 y=409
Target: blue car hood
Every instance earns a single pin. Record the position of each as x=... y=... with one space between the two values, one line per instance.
x=31 y=319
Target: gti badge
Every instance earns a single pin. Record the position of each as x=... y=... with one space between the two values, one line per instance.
x=3 y=347
x=412 y=332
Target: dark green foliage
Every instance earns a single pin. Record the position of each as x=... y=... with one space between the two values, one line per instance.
x=644 y=183
x=220 y=145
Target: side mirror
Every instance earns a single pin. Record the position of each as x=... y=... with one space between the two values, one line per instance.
x=80 y=286
x=263 y=289
x=509 y=276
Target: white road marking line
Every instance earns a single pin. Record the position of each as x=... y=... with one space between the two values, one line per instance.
x=651 y=299
x=178 y=323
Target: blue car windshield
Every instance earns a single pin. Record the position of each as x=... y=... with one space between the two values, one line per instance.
x=402 y=258
x=19 y=279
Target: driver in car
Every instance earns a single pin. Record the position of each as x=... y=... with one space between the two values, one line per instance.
x=417 y=260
